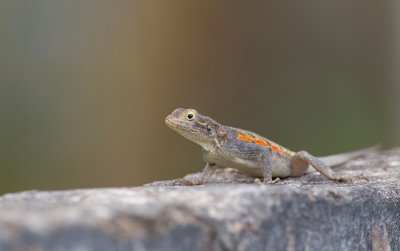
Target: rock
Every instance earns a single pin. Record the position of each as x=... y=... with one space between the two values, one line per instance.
x=304 y=213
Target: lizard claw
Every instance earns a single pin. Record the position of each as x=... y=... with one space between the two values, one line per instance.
x=351 y=178
x=265 y=182
x=258 y=181
x=187 y=182
x=360 y=177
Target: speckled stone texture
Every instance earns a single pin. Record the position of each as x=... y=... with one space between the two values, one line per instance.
x=230 y=213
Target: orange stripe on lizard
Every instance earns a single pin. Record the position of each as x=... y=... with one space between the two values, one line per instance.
x=261 y=142
x=244 y=138
x=276 y=149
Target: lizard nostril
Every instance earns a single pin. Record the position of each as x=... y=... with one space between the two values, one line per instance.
x=168 y=118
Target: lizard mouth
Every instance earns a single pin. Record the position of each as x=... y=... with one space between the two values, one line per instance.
x=174 y=123
x=170 y=121
x=179 y=126
x=188 y=130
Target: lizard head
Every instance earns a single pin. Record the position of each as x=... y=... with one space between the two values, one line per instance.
x=193 y=126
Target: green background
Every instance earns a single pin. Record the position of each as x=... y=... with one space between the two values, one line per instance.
x=85 y=85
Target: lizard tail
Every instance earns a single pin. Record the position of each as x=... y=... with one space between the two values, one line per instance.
x=341 y=158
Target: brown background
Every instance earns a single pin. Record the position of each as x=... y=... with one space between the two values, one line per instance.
x=85 y=85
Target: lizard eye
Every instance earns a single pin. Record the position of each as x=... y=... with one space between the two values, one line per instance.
x=190 y=116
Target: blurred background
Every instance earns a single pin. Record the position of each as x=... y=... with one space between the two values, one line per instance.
x=85 y=85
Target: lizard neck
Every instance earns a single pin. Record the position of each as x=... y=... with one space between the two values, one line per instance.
x=197 y=128
x=212 y=144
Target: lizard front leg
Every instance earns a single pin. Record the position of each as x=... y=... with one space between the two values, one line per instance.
x=303 y=159
x=267 y=173
x=208 y=170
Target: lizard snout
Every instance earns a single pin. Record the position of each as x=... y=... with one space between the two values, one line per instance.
x=168 y=119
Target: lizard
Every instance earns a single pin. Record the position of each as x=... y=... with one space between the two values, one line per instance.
x=250 y=153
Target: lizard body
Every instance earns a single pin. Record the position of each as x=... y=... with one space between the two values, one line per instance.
x=250 y=153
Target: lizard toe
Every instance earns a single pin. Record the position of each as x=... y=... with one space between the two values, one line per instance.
x=351 y=178
x=187 y=182
x=265 y=182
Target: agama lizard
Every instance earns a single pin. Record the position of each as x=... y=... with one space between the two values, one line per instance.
x=255 y=155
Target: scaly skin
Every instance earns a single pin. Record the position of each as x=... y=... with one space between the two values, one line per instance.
x=249 y=152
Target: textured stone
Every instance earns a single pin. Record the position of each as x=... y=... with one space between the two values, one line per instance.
x=305 y=213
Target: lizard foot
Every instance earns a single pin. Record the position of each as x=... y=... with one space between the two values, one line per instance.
x=259 y=182
x=187 y=182
x=351 y=178
x=361 y=177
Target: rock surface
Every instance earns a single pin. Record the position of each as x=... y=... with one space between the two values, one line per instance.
x=305 y=213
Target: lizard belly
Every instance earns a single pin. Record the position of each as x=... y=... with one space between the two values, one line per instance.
x=249 y=167
x=281 y=171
